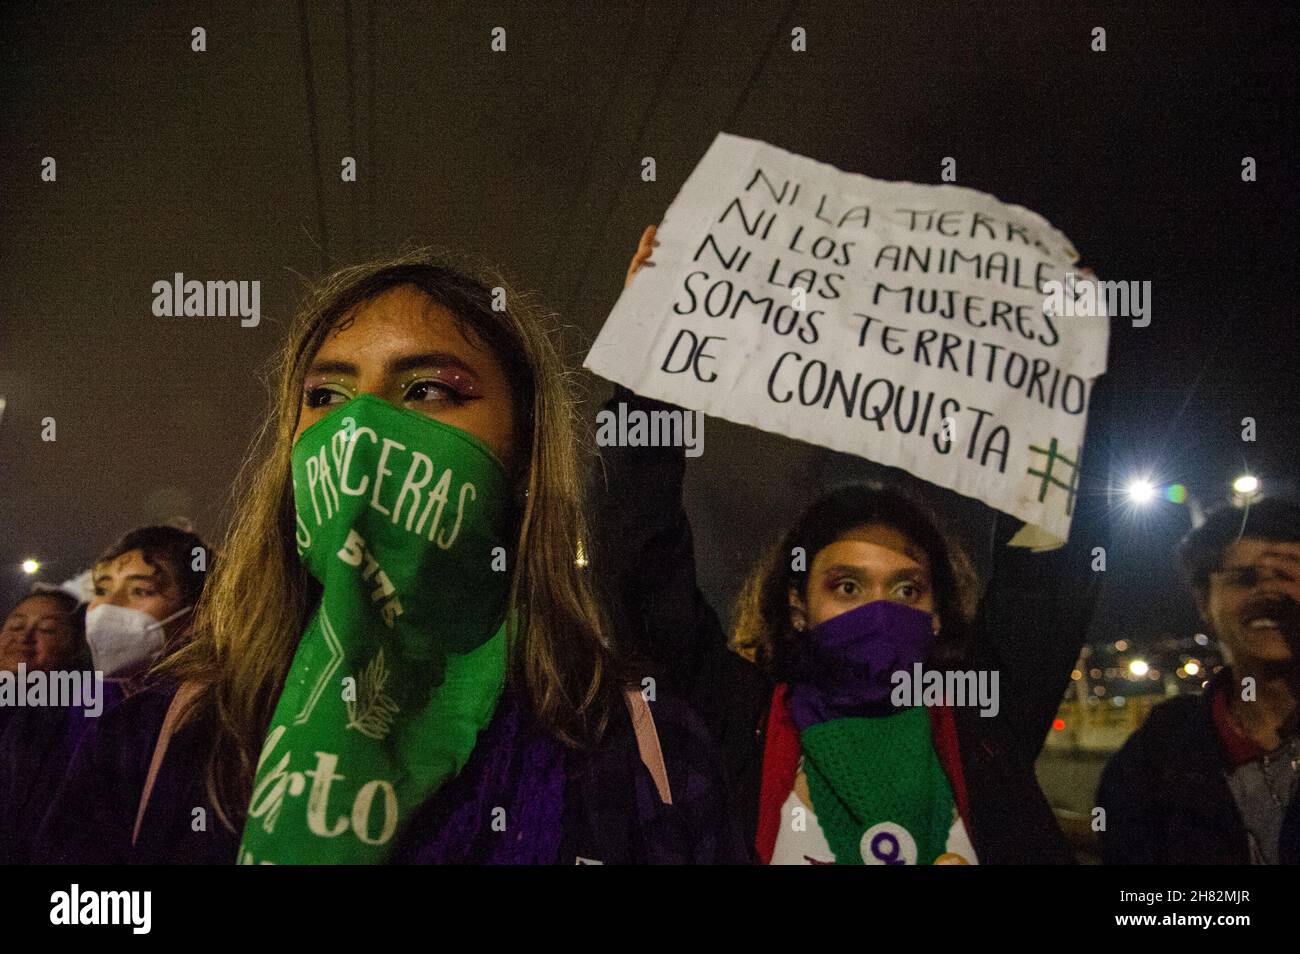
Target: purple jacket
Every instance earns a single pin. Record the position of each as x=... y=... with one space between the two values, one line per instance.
x=611 y=810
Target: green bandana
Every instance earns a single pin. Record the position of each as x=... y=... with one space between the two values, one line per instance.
x=878 y=788
x=400 y=518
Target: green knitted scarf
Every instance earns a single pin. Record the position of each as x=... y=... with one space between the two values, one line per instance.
x=878 y=789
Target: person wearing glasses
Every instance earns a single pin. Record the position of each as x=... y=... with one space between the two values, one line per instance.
x=1213 y=779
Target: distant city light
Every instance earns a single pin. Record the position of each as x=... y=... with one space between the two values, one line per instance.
x=30 y=566
x=1246 y=484
x=1138 y=667
x=1058 y=724
x=1141 y=491
x=1201 y=639
x=1121 y=645
x=1192 y=667
x=1076 y=675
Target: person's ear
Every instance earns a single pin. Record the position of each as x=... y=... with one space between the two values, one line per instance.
x=935 y=623
x=798 y=611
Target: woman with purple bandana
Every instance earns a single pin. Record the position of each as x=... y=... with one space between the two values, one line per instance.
x=833 y=755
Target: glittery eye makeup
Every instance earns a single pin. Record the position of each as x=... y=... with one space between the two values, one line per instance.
x=435 y=385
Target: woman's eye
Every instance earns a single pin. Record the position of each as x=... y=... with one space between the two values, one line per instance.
x=908 y=591
x=141 y=593
x=325 y=395
x=846 y=587
x=430 y=390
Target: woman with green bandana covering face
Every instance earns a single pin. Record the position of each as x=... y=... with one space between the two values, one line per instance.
x=402 y=521
x=399 y=656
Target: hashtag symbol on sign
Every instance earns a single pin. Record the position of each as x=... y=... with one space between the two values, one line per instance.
x=1051 y=480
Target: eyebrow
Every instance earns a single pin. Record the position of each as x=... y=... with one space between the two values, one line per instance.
x=915 y=570
x=1285 y=555
x=409 y=362
x=147 y=577
x=39 y=617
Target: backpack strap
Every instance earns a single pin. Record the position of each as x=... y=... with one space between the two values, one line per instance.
x=647 y=742
x=187 y=692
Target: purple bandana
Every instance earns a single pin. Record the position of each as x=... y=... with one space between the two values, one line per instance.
x=845 y=666
x=506 y=805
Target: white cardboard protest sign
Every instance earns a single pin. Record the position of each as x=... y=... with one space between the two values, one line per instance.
x=901 y=322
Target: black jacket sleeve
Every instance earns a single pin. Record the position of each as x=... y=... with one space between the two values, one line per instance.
x=1034 y=616
x=1129 y=833
x=643 y=542
x=646 y=556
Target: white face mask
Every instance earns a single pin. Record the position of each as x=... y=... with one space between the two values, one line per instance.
x=124 y=641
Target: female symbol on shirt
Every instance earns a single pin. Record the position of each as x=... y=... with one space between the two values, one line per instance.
x=888 y=844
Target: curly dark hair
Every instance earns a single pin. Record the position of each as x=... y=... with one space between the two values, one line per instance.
x=1200 y=553
x=170 y=546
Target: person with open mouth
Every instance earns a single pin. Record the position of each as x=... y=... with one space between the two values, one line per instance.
x=1213 y=779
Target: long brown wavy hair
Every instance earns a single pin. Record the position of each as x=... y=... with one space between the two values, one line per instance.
x=260 y=598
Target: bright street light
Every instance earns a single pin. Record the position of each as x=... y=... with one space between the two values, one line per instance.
x=1138 y=667
x=1141 y=491
x=30 y=566
x=1246 y=485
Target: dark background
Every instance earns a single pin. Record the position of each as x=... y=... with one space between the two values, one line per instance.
x=225 y=165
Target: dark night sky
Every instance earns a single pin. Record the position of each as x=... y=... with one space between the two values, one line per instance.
x=169 y=160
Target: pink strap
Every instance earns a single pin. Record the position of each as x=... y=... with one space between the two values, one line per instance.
x=647 y=742
x=186 y=692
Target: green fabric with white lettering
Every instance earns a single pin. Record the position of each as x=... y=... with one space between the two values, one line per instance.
x=879 y=774
x=399 y=517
